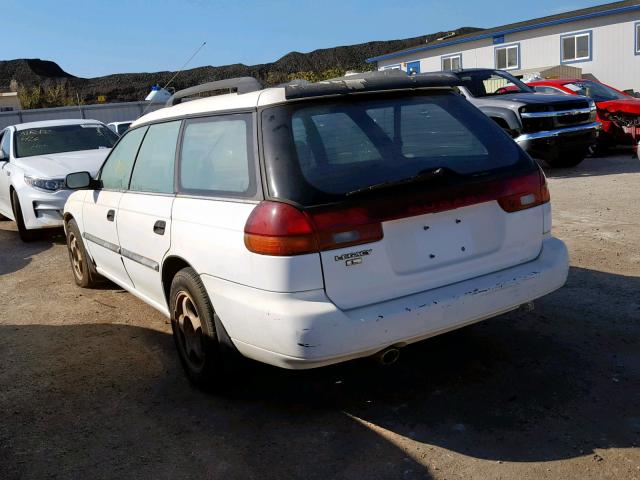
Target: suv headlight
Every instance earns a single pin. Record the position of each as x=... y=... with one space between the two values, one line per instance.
x=46 y=184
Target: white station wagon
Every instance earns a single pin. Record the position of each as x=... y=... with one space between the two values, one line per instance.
x=310 y=224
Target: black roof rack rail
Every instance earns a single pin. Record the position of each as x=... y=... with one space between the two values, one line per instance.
x=371 y=82
x=241 y=84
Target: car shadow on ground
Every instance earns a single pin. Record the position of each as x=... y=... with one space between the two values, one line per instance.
x=537 y=386
x=616 y=162
x=15 y=254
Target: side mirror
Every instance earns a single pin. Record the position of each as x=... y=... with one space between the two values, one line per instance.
x=79 y=180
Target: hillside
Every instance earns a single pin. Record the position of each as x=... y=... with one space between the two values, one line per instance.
x=52 y=85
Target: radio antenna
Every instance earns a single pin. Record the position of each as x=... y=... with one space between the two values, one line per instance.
x=178 y=72
x=185 y=64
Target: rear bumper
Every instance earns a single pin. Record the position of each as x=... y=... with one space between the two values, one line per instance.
x=306 y=330
x=553 y=143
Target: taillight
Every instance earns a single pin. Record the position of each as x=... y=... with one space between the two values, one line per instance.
x=275 y=228
x=529 y=191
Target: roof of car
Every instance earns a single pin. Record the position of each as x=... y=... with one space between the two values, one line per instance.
x=55 y=123
x=230 y=101
x=556 y=81
x=366 y=82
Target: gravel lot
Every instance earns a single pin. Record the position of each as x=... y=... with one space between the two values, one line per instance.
x=90 y=385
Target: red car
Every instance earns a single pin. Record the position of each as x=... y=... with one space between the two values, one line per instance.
x=618 y=112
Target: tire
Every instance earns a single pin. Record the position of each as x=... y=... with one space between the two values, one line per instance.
x=565 y=161
x=84 y=273
x=197 y=332
x=25 y=235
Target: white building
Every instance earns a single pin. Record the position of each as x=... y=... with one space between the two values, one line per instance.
x=602 y=41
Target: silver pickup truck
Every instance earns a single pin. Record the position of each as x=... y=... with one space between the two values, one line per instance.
x=553 y=128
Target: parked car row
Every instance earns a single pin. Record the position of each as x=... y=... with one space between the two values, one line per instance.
x=309 y=224
x=553 y=128
x=618 y=112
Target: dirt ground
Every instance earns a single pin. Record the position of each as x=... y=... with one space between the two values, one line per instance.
x=90 y=385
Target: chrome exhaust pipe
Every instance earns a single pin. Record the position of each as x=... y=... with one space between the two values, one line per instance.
x=388 y=356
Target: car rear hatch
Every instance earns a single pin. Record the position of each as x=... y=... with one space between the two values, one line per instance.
x=404 y=192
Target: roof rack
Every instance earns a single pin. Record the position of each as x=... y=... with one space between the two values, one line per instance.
x=240 y=84
x=369 y=82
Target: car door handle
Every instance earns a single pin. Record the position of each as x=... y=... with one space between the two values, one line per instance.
x=111 y=215
x=159 y=227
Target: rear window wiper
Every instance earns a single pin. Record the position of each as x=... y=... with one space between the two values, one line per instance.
x=430 y=174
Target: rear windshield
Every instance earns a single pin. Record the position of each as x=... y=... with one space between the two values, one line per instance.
x=322 y=152
x=63 y=138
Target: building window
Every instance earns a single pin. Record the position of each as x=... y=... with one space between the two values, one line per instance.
x=575 y=47
x=392 y=67
x=451 y=62
x=507 y=57
x=637 y=39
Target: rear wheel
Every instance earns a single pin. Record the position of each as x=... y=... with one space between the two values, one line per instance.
x=25 y=234
x=193 y=322
x=84 y=272
x=564 y=161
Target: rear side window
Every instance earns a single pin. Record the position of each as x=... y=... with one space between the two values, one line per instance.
x=116 y=171
x=324 y=151
x=217 y=156
x=154 y=168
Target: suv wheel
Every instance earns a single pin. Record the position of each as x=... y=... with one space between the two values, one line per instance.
x=84 y=272
x=25 y=235
x=193 y=322
x=564 y=161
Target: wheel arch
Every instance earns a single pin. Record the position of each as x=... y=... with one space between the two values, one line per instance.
x=170 y=266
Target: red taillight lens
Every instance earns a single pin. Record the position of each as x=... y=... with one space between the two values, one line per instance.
x=275 y=228
x=528 y=191
x=279 y=229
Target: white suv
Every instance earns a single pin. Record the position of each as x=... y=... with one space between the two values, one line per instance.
x=36 y=157
x=315 y=223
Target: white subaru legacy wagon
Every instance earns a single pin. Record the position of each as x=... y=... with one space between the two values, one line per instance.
x=310 y=224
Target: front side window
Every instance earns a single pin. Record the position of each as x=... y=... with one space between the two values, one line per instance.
x=4 y=144
x=453 y=62
x=508 y=57
x=217 y=156
x=116 y=170
x=575 y=47
x=323 y=151
x=63 y=138
x=154 y=168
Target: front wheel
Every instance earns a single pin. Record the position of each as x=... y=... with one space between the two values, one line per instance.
x=193 y=322
x=25 y=234
x=565 y=161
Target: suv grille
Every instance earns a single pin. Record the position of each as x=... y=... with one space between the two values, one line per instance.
x=536 y=118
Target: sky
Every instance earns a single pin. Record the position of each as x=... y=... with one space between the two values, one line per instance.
x=89 y=38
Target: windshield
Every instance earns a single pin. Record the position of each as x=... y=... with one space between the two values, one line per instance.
x=485 y=83
x=319 y=152
x=63 y=138
x=597 y=91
